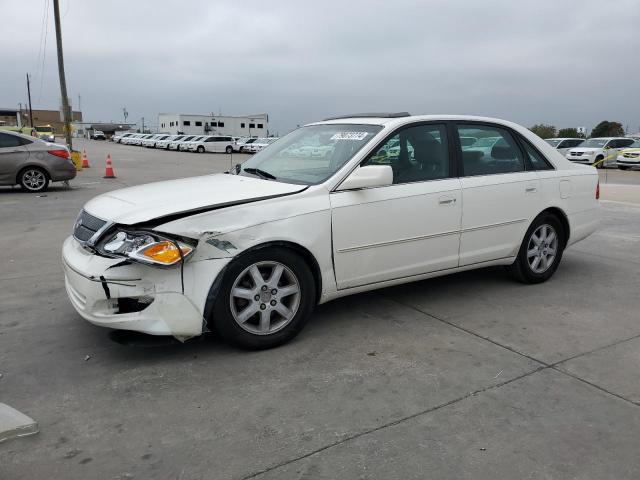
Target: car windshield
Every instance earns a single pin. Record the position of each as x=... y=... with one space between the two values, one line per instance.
x=594 y=143
x=309 y=155
x=554 y=142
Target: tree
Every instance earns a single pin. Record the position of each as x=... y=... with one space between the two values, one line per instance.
x=569 y=133
x=544 y=131
x=608 y=129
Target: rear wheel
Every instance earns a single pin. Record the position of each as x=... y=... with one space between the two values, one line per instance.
x=229 y=149
x=623 y=167
x=265 y=300
x=599 y=162
x=541 y=250
x=33 y=179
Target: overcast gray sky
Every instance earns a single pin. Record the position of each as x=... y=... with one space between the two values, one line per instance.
x=565 y=62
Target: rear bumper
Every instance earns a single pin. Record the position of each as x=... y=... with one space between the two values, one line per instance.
x=61 y=169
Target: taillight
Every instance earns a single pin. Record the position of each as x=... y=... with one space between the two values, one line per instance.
x=598 y=190
x=60 y=153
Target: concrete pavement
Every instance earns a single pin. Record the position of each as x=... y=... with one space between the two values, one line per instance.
x=468 y=376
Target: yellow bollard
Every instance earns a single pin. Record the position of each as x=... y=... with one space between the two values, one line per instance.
x=77 y=159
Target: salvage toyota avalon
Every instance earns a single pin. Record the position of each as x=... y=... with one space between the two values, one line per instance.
x=395 y=198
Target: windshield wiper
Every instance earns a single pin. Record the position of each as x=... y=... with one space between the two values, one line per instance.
x=260 y=173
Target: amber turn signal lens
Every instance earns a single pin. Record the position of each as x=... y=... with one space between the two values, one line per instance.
x=165 y=252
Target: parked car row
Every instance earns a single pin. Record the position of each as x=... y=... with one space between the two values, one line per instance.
x=620 y=152
x=195 y=143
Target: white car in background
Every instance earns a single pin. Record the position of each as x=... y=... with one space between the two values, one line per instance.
x=629 y=157
x=128 y=140
x=599 y=151
x=186 y=146
x=242 y=146
x=165 y=142
x=260 y=143
x=563 y=145
x=119 y=136
x=139 y=139
x=250 y=253
x=213 y=144
x=153 y=141
x=98 y=135
x=175 y=144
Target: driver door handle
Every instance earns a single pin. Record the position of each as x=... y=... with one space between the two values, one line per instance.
x=446 y=200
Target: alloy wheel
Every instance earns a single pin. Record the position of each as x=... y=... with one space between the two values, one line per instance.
x=265 y=297
x=34 y=179
x=542 y=248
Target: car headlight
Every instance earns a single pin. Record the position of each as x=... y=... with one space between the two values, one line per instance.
x=145 y=247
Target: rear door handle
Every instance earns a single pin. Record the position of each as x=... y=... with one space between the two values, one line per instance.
x=447 y=200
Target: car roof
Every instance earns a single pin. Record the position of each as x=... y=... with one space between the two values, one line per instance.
x=393 y=122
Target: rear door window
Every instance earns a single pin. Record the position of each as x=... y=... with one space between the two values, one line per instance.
x=495 y=151
x=8 y=141
x=535 y=157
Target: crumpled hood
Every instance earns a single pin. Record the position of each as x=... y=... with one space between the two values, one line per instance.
x=144 y=203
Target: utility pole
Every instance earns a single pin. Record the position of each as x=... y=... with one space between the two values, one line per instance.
x=29 y=95
x=66 y=114
x=142 y=124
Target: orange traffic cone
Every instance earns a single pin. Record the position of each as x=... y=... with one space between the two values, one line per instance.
x=85 y=160
x=108 y=172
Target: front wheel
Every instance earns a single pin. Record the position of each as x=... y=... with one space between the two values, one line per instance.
x=541 y=250
x=599 y=163
x=33 y=179
x=265 y=299
x=200 y=149
x=623 y=167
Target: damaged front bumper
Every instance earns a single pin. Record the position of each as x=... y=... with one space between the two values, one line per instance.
x=119 y=294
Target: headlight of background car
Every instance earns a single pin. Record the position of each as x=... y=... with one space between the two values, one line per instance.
x=146 y=247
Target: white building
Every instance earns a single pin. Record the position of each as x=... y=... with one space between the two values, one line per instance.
x=247 y=126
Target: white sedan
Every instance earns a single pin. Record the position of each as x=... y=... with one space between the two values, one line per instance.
x=250 y=253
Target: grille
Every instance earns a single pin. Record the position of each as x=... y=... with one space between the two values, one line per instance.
x=86 y=226
x=576 y=154
x=631 y=155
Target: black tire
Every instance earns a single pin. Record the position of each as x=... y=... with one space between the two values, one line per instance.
x=200 y=149
x=240 y=149
x=229 y=149
x=623 y=168
x=27 y=179
x=223 y=321
x=521 y=270
x=599 y=165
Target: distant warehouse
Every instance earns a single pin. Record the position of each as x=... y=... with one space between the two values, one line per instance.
x=249 y=126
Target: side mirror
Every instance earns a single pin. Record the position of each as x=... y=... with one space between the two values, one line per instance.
x=368 y=176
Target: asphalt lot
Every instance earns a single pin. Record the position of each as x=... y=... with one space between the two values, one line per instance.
x=469 y=376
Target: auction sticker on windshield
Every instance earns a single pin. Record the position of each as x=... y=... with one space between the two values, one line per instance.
x=350 y=136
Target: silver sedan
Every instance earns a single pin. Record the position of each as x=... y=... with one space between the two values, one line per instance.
x=33 y=163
